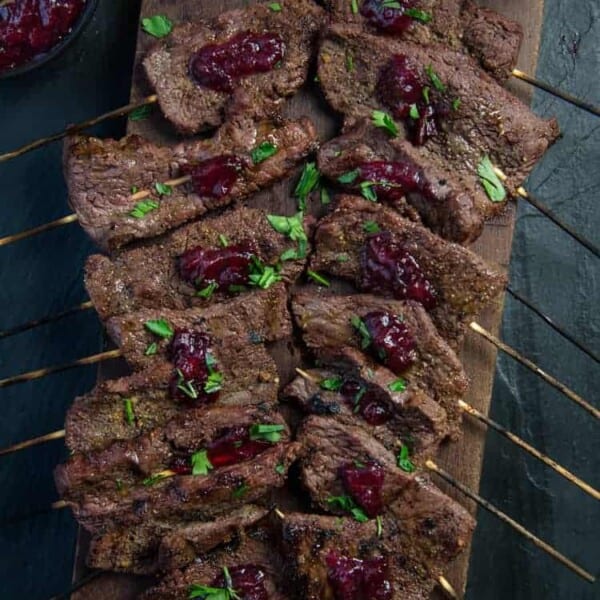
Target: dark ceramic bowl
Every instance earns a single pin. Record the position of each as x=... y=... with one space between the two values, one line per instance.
x=42 y=59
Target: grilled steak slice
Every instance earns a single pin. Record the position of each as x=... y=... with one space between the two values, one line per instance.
x=166 y=544
x=131 y=482
x=409 y=416
x=193 y=107
x=332 y=449
x=256 y=318
x=463 y=284
x=150 y=275
x=493 y=39
x=253 y=554
x=100 y=418
x=489 y=120
x=102 y=173
x=325 y=321
x=449 y=203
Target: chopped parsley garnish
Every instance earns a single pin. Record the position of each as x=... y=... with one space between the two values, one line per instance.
x=240 y=491
x=185 y=386
x=384 y=121
x=343 y=258
x=404 y=461
x=308 y=181
x=414 y=112
x=325 y=196
x=140 y=114
x=134 y=189
x=214 y=382
x=426 y=91
x=262 y=152
x=152 y=349
x=367 y=190
x=456 y=103
x=205 y=592
x=208 y=291
x=379 y=526
x=128 y=408
x=162 y=189
x=160 y=327
x=418 y=15
x=346 y=503
x=435 y=79
x=141 y=209
x=349 y=61
x=266 y=433
x=292 y=227
x=201 y=464
x=349 y=177
x=332 y=384
x=275 y=7
x=280 y=469
x=397 y=386
x=157 y=477
x=261 y=275
x=354 y=6
x=361 y=328
x=119 y=485
x=158 y=26
x=391 y=4
x=223 y=241
x=371 y=227
x=318 y=278
x=490 y=181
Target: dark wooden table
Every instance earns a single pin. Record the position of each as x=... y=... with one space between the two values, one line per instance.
x=43 y=275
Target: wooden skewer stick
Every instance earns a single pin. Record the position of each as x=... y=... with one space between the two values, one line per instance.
x=42 y=439
x=71 y=129
x=514 y=524
x=587 y=106
x=586 y=487
x=78 y=585
x=533 y=367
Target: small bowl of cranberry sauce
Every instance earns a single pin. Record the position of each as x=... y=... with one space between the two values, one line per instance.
x=33 y=32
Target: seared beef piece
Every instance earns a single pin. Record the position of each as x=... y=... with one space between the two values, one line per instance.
x=437 y=525
x=307 y=541
x=463 y=282
x=488 y=121
x=259 y=317
x=192 y=107
x=414 y=418
x=98 y=418
x=493 y=39
x=148 y=276
x=101 y=174
x=452 y=204
x=325 y=322
x=107 y=504
x=255 y=549
x=166 y=544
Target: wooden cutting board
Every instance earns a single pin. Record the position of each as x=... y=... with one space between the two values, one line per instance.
x=462 y=459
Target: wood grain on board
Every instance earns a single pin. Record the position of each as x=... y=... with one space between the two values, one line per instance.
x=463 y=459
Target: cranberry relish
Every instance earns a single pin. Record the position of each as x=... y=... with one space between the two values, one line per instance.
x=29 y=28
x=355 y=579
x=417 y=97
x=217 y=66
x=215 y=177
x=374 y=410
x=247 y=581
x=364 y=483
x=387 y=266
x=391 y=17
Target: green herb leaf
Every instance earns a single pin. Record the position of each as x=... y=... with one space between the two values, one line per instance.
x=223 y=241
x=343 y=258
x=134 y=189
x=129 y=413
x=237 y=289
x=349 y=177
x=208 y=291
x=289 y=254
x=152 y=349
x=371 y=227
x=261 y=275
x=275 y=7
x=205 y=592
x=141 y=209
x=418 y=15
x=318 y=278
x=361 y=328
x=349 y=61
x=262 y=152
x=426 y=91
x=490 y=181
x=325 y=196
x=435 y=79
x=201 y=464
x=185 y=386
x=162 y=189
x=367 y=189
x=414 y=112
x=214 y=382
x=280 y=469
x=384 y=121
x=157 y=477
x=391 y=4
x=354 y=6
x=160 y=327
x=347 y=504
x=140 y=113
x=404 y=461
x=379 y=526
x=456 y=104
x=307 y=183
x=119 y=485
x=292 y=227
x=266 y=433
x=240 y=491
x=158 y=26
x=397 y=386
x=332 y=384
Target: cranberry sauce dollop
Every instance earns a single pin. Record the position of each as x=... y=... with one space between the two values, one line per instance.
x=189 y=353
x=372 y=409
x=217 y=66
x=386 y=18
x=364 y=482
x=387 y=266
x=355 y=579
x=391 y=341
x=221 y=266
x=215 y=177
x=233 y=447
x=248 y=581
x=403 y=88
x=29 y=28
